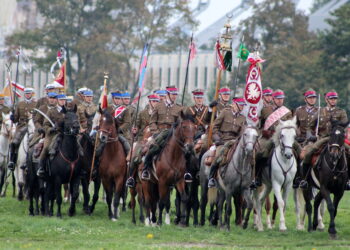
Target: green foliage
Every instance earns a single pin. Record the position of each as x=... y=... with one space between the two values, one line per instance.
x=99 y=36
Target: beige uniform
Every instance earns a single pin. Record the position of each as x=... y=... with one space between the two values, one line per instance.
x=163 y=116
x=86 y=112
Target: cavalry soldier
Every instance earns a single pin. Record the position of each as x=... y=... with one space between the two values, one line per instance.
x=50 y=103
x=267 y=96
x=270 y=116
x=227 y=128
x=43 y=100
x=162 y=94
x=122 y=118
x=79 y=98
x=223 y=103
x=21 y=117
x=126 y=101
x=327 y=114
x=3 y=108
x=164 y=115
x=199 y=111
x=52 y=134
x=142 y=122
x=86 y=111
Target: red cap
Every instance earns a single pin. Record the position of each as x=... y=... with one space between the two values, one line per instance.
x=279 y=94
x=224 y=91
x=267 y=91
x=172 y=90
x=239 y=100
x=310 y=93
x=153 y=97
x=332 y=94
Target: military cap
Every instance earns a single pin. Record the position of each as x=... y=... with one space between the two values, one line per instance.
x=278 y=94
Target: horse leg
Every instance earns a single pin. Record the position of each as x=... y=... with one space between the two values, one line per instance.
x=132 y=204
x=318 y=199
x=13 y=184
x=119 y=192
x=97 y=185
x=86 y=194
x=280 y=202
x=177 y=208
x=184 y=199
x=162 y=201
x=238 y=200
x=268 y=209
x=58 y=197
x=195 y=204
x=31 y=197
x=203 y=203
x=167 y=209
x=66 y=193
x=220 y=204
x=124 y=198
x=331 y=209
x=249 y=201
x=299 y=209
x=74 y=194
x=308 y=207
x=321 y=211
x=228 y=210
x=274 y=210
x=109 y=204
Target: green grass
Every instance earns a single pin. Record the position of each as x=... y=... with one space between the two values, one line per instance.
x=18 y=230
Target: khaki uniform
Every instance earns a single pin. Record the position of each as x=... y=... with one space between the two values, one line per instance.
x=132 y=111
x=123 y=121
x=201 y=116
x=326 y=116
x=163 y=116
x=306 y=120
x=222 y=106
x=142 y=121
x=4 y=109
x=39 y=122
x=77 y=101
x=228 y=125
x=86 y=112
x=42 y=101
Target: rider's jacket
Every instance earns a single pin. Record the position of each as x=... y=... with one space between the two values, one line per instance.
x=164 y=115
x=228 y=125
x=328 y=114
x=23 y=112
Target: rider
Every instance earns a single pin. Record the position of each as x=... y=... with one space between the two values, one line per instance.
x=306 y=121
x=227 y=128
x=86 y=111
x=327 y=114
x=126 y=101
x=164 y=115
x=142 y=122
x=267 y=96
x=21 y=117
x=43 y=100
x=223 y=103
x=79 y=98
x=162 y=94
x=270 y=116
x=3 y=108
x=52 y=134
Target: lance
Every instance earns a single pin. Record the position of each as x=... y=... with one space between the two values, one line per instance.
x=235 y=80
x=140 y=85
x=187 y=67
x=18 y=53
x=318 y=114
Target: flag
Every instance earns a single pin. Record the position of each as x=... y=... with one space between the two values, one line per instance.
x=17 y=86
x=243 y=52
x=219 y=61
x=143 y=67
x=228 y=61
x=8 y=91
x=193 y=50
x=103 y=98
x=253 y=90
x=61 y=77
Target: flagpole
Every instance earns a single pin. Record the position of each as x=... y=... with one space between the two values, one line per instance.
x=186 y=75
x=235 y=81
x=17 y=73
x=210 y=132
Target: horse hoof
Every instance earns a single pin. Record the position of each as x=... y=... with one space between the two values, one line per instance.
x=245 y=225
x=283 y=229
x=167 y=219
x=300 y=228
x=71 y=213
x=113 y=219
x=31 y=214
x=333 y=236
x=147 y=223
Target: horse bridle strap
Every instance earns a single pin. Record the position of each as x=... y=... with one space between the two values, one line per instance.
x=71 y=164
x=280 y=165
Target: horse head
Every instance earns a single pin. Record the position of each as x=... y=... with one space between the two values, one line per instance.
x=186 y=131
x=106 y=126
x=31 y=125
x=249 y=137
x=71 y=124
x=7 y=124
x=336 y=140
x=285 y=136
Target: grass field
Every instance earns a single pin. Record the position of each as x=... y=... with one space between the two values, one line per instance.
x=18 y=230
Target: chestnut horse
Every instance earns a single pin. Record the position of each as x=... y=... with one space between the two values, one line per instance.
x=170 y=165
x=113 y=166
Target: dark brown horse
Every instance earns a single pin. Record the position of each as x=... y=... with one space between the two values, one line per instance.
x=171 y=164
x=113 y=166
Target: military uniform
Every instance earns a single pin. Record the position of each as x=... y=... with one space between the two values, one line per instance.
x=86 y=112
x=42 y=101
x=201 y=116
x=328 y=114
x=306 y=121
x=142 y=121
x=123 y=120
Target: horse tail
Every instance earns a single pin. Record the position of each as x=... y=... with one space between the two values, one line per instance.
x=212 y=195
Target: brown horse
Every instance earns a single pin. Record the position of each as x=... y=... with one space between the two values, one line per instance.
x=113 y=166
x=171 y=164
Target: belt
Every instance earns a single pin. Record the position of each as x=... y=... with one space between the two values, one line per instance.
x=164 y=126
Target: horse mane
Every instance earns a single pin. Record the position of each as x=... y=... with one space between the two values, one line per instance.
x=280 y=126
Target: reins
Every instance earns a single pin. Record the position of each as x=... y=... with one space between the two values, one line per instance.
x=71 y=164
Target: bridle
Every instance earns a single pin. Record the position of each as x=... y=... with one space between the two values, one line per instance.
x=7 y=132
x=283 y=146
x=181 y=141
x=108 y=133
x=245 y=143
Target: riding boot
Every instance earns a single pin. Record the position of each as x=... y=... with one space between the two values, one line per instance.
x=297 y=178
x=54 y=146
x=214 y=167
x=306 y=169
x=154 y=149
x=13 y=157
x=258 y=173
x=125 y=143
x=187 y=176
x=130 y=182
x=41 y=169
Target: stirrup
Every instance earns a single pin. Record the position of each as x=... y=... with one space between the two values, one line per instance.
x=40 y=173
x=11 y=166
x=145 y=175
x=303 y=184
x=211 y=183
x=130 y=182
x=188 y=177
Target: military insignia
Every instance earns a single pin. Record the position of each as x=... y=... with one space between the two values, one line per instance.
x=119 y=111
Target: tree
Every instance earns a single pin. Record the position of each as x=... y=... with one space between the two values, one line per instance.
x=99 y=35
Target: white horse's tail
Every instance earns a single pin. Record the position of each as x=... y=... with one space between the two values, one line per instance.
x=212 y=195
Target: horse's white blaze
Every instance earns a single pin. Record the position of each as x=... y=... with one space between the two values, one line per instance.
x=167 y=219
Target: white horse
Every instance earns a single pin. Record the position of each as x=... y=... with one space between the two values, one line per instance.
x=281 y=173
x=22 y=157
x=6 y=132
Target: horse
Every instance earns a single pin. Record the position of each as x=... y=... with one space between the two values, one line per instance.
x=88 y=147
x=113 y=166
x=171 y=163
x=280 y=173
x=236 y=177
x=20 y=173
x=65 y=166
x=329 y=175
x=6 y=132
